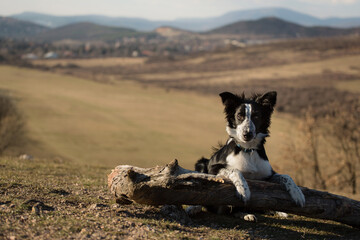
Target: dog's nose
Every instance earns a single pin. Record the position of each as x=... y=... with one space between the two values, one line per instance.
x=248 y=136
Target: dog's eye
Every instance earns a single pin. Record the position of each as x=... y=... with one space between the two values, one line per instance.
x=240 y=116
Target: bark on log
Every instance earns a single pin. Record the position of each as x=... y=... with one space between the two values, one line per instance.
x=174 y=185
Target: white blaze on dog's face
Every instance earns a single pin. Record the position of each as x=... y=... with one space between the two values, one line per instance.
x=248 y=119
x=245 y=130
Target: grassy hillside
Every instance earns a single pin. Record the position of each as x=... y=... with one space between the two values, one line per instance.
x=90 y=63
x=303 y=72
x=119 y=122
x=13 y=28
x=45 y=199
x=79 y=129
x=315 y=73
x=111 y=124
x=86 y=31
x=277 y=28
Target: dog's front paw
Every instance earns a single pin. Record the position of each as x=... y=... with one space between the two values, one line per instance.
x=290 y=186
x=250 y=218
x=297 y=195
x=243 y=192
x=242 y=188
x=246 y=216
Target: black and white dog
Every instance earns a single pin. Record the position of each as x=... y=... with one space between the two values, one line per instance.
x=243 y=156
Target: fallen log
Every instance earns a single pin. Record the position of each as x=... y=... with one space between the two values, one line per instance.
x=174 y=185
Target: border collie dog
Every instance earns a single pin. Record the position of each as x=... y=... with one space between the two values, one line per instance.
x=243 y=156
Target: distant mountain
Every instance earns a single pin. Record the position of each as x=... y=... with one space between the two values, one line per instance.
x=252 y=14
x=206 y=24
x=277 y=28
x=58 y=21
x=270 y=27
x=85 y=32
x=195 y=24
x=341 y=22
x=14 y=28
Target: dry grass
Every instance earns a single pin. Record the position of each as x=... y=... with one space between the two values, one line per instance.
x=122 y=123
x=89 y=63
x=343 y=64
x=45 y=199
x=77 y=125
x=350 y=86
x=305 y=73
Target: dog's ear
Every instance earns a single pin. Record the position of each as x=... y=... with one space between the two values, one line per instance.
x=268 y=99
x=230 y=102
x=227 y=98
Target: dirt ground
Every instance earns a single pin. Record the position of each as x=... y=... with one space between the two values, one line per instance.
x=54 y=199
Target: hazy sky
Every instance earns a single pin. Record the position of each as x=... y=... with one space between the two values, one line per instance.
x=171 y=9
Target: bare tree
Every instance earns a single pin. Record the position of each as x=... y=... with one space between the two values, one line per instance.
x=173 y=185
x=311 y=129
x=328 y=155
x=344 y=129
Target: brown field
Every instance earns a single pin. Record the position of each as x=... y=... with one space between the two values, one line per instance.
x=84 y=117
x=299 y=69
x=305 y=73
x=102 y=124
x=89 y=63
x=314 y=73
x=121 y=123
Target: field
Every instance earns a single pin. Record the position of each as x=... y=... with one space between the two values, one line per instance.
x=314 y=68
x=89 y=63
x=84 y=117
x=119 y=123
x=53 y=199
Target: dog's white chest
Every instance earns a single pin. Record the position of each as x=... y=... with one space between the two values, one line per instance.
x=250 y=165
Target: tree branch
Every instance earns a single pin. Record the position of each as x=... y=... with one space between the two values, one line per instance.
x=174 y=185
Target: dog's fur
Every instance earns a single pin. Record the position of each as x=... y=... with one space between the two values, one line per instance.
x=243 y=156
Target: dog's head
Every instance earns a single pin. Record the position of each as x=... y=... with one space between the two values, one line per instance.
x=248 y=118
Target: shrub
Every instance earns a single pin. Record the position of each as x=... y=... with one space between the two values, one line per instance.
x=326 y=152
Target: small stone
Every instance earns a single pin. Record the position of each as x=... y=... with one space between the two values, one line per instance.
x=37 y=209
x=37 y=206
x=25 y=157
x=97 y=206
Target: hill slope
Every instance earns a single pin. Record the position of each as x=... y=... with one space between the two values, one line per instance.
x=193 y=24
x=58 y=21
x=13 y=28
x=85 y=31
x=45 y=199
x=277 y=28
x=110 y=124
